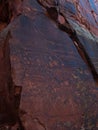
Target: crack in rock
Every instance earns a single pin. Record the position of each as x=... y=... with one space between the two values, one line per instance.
x=65 y=26
x=40 y=125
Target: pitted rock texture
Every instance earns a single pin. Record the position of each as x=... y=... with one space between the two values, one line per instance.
x=52 y=63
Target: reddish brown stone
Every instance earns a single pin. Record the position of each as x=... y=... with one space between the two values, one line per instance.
x=49 y=70
x=7 y=112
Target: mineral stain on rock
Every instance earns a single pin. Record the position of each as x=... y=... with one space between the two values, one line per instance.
x=47 y=73
x=64 y=25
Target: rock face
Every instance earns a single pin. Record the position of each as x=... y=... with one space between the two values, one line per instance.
x=49 y=66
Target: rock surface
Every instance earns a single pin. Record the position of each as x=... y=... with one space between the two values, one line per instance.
x=49 y=66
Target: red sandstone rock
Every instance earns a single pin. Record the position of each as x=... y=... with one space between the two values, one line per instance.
x=53 y=66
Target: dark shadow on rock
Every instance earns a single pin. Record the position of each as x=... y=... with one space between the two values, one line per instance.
x=9 y=10
x=9 y=93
